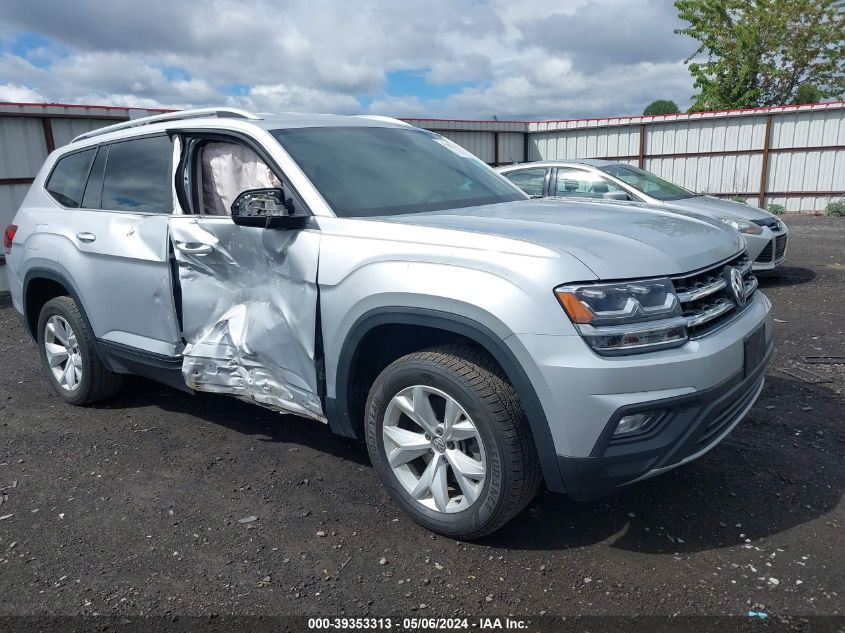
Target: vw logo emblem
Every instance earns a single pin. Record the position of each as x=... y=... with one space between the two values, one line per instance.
x=438 y=444
x=736 y=285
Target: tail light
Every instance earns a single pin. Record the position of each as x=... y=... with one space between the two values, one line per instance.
x=8 y=236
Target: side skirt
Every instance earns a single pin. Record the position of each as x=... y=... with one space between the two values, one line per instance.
x=123 y=359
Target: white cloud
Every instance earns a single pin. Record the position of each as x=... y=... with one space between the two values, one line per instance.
x=409 y=107
x=282 y=98
x=20 y=94
x=523 y=59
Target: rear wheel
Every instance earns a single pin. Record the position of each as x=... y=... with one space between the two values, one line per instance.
x=69 y=355
x=449 y=439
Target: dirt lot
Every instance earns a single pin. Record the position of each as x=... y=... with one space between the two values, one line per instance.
x=133 y=507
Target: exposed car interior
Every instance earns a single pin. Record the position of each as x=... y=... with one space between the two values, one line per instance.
x=227 y=170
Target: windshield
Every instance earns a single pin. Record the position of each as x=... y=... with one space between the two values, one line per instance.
x=647 y=182
x=368 y=171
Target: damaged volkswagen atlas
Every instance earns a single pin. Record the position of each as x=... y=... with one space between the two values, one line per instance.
x=378 y=278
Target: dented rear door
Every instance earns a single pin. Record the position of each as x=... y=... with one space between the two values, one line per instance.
x=248 y=299
x=119 y=255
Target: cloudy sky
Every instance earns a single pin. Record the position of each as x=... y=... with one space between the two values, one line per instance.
x=514 y=59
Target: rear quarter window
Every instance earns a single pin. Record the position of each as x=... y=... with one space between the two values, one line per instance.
x=137 y=176
x=66 y=183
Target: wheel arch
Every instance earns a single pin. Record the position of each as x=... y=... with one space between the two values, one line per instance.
x=39 y=286
x=341 y=410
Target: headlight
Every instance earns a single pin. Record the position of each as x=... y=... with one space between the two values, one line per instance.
x=625 y=317
x=743 y=226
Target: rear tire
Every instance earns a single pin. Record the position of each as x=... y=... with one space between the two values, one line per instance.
x=69 y=355
x=488 y=469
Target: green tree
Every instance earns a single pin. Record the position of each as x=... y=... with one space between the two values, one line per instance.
x=758 y=52
x=661 y=106
x=807 y=93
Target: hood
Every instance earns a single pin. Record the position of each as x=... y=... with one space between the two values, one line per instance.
x=718 y=208
x=611 y=240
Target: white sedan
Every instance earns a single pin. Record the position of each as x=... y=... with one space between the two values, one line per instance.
x=765 y=234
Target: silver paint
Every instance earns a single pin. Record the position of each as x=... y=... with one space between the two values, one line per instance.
x=249 y=304
x=250 y=295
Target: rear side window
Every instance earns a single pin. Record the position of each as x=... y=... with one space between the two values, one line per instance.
x=67 y=182
x=137 y=176
x=582 y=184
x=529 y=180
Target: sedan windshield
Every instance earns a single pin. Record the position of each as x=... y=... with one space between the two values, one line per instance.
x=647 y=182
x=368 y=171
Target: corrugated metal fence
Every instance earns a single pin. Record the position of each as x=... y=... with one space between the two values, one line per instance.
x=793 y=155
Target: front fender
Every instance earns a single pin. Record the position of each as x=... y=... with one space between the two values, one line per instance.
x=337 y=408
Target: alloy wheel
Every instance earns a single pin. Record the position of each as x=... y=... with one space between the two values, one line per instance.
x=62 y=350
x=434 y=449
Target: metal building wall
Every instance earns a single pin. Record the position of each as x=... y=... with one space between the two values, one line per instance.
x=494 y=142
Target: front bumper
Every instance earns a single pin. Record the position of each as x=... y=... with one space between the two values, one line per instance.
x=689 y=427
x=767 y=250
x=703 y=389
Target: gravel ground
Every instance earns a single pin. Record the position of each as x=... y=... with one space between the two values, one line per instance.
x=138 y=506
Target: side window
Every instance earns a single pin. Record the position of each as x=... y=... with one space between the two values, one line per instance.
x=137 y=176
x=529 y=180
x=67 y=182
x=582 y=184
x=94 y=189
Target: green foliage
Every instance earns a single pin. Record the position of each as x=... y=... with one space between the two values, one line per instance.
x=758 y=52
x=835 y=208
x=807 y=93
x=741 y=199
x=661 y=106
x=776 y=209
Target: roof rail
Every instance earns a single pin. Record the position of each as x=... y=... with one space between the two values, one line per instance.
x=231 y=113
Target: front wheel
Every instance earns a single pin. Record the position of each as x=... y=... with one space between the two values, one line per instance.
x=448 y=437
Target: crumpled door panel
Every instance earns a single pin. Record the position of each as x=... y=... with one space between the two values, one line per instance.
x=249 y=309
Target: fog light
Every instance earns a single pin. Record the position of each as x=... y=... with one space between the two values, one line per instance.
x=634 y=423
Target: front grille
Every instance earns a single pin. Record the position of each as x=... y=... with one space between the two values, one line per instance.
x=765 y=255
x=780 y=246
x=707 y=300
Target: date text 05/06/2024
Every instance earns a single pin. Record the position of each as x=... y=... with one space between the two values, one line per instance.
x=418 y=624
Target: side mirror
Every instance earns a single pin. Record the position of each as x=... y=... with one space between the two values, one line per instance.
x=263 y=203
x=266 y=208
x=616 y=195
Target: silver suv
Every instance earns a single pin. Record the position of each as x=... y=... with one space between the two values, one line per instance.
x=380 y=279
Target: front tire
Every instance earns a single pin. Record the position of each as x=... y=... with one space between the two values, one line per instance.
x=449 y=439
x=69 y=355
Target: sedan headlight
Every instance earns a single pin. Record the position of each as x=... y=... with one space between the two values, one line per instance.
x=625 y=317
x=743 y=226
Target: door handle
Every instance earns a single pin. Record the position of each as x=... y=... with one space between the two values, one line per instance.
x=194 y=248
x=86 y=237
